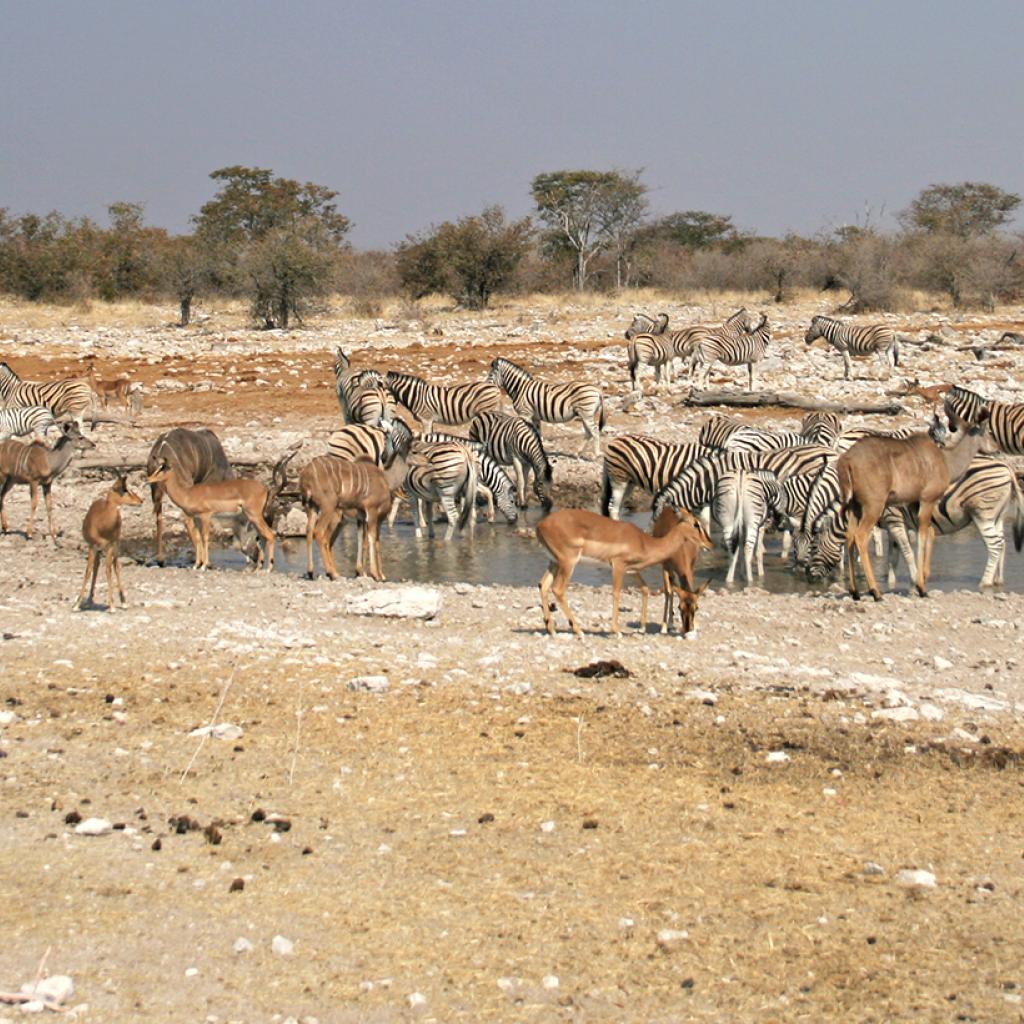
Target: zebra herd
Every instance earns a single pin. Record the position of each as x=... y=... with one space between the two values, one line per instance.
x=740 y=342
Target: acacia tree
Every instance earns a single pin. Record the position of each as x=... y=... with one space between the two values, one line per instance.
x=275 y=239
x=590 y=211
x=966 y=210
x=471 y=258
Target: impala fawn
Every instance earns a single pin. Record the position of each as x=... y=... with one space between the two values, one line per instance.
x=101 y=529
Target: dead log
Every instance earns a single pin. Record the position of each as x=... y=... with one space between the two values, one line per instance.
x=788 y=400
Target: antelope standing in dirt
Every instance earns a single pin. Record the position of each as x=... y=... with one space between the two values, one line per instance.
x=120 y=388
x=881 y=471
x=573 y=533
x=101 y=529
x=677 y=571
x=38 y=466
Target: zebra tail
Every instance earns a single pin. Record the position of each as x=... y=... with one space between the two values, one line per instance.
x=896 y=352
x=469 y=495
x=606 y=493
x=1018 y=514
x=600 y=416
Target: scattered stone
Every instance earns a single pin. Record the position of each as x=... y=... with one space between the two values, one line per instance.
x=550 y=981
x=941 y=663
x=50 y=992
x=911 y=878
x=931 y=713
x=416 y=999
x=871 y=868
x=590 y=823
x=368 y=684
x=237 y=885
x=94 y=827
x=670 y=937
x=396 y=602
x=242 y=945
x=222 y=731
x=777 y=757
x=282 y=946
x=547 y=826
x=902 y=714
x=704 y=696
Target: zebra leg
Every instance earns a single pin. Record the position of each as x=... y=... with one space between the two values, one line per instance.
x=847 y=365
x=521 y=472
x=750 y=376
x=620 y=492
x=451 y=511
x=995 y=544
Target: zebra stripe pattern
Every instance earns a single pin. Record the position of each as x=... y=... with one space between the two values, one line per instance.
x=27 y=419
x=492 y=480
x=1005 y=419
x=449 y=405
x=853 y=340
x=687 y=343
x=357 y=441
x=653 y=350
x=69 y=397
x=635 y=460
x=551 y=403
x=644 y=324
x=347 y=382
x=820 y=427
x=742 y=348
x=444 y=473
x=743 y=502
x=513 y=441
x=371 y=404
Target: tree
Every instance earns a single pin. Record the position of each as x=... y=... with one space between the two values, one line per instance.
x=471 y=258
x=275 y=239
x=695 y=229
x=590 y=211
x=966 y=210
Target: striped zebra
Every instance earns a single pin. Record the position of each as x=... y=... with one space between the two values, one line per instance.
x=744 y=502
x=357 y=441
x=1005 y=419
x=849 y=437
x=745 y=348
x=348 y=381
x=371 y=404
x=644 y=324
x=551 y=403
x=820 y=427
x=513 y=441
x=449 y=405
x=716 y=430
x=653 y=350
x=444 y=473
x=853 y=340
x=26 y=419
x=69 y=397
x=635 y=460
x=982 y=496
x=827 y=552
x=757 y=439
x=493 y=482
x=688 y=341
x=694 y=488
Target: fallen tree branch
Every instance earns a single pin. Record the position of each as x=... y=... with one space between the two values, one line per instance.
x=787 y=400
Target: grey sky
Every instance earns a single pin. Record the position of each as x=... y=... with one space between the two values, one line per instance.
x=787 y=115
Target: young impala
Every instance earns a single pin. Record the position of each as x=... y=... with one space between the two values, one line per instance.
x=101 y=529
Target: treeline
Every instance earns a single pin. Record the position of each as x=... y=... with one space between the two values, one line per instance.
x=282 y=245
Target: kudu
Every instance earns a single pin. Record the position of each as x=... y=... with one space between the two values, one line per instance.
x=572 y=533
x=38 y=466
x=101 y=529
x=881 y=471
x=329 y=487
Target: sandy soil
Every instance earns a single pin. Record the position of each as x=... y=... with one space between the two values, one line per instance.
x=717 y=836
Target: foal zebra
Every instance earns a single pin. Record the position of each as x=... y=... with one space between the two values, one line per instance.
x=551 y=403
x=1005 y=419
x=69 y=397
x=744 y=348
x=635 y=460
x=449 y=405
x=851 y=339
x=513 y=441
x=26 y=419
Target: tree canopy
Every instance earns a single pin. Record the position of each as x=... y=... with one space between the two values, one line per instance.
x=967 y=210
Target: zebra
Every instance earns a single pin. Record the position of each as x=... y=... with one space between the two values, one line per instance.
x=820 y=427
x=513 y=441
x=492 y=480
x=69 y=397
x=371 y=404
x=644 y=324
x=757 y=439
x=849 y=437
x=716 y=430
x=448 y=405
x=694 y=488
x=650 y=350
x=852 y=339
x=1005 y=419
x=688 y=341
x=982 y=496
x=26 y=419
x=551 y=403
x=348 y=381
x=743 y=502
x=444 y=473
x=635 y=460
x=734 y=349
x=357 y=441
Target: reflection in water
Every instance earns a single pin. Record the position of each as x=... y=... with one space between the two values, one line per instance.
x=511 y=556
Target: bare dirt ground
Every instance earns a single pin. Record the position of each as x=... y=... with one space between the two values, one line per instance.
x=489 y=837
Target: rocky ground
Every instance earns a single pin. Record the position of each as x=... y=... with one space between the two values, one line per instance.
x=810 y=811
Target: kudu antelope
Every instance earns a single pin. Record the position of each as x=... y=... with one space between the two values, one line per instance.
x=572 y=533
x=101 y=529
x=38 y=466
x=881 y=471
x=203 y=501
x=329 y=487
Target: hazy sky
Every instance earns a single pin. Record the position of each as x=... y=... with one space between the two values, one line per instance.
x=786 y=115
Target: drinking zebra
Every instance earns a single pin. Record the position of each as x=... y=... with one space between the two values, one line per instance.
x=26 y=419
x=744 y=348
x=982 y=496
x=69 y=397
x=744 y=502
x=644 y=324
x=449 y=405
x=1005 y=419
x=854 y=340
x=444 y=473
x=513 y=441
x=551 y=403
x=492 y=481
x=635 y=460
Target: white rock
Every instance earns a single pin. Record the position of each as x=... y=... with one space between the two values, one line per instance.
x=6 y=717
x=871 y=868
x=670 y=936
x=93 y=827
x=191 y=972
x=550 y=981
x=931 y=713
x=897 y=714
x=704 y=696
x=896 y=699
x=777 y=757
x=415 y=999
x=396 y=602
x=242 y=945
x=368 y=684
x=941 y=663
x=910 y=878
x=221 y=731
x=282 y=946
x=547 y=826
x=963 y=735
x=58 y=988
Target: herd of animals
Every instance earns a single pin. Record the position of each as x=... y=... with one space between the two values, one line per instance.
x=825 y=488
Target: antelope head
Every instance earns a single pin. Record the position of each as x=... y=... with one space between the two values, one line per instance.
x=688 y=601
